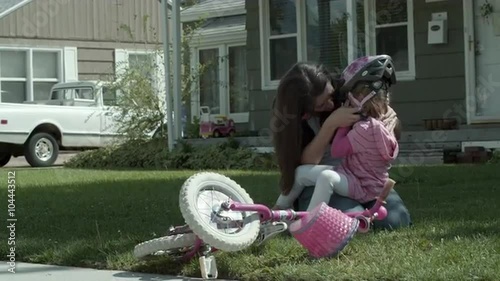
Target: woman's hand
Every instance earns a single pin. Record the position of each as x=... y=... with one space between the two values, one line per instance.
x=342 y=117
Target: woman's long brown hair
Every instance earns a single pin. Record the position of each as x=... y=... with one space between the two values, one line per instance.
x=295 y=97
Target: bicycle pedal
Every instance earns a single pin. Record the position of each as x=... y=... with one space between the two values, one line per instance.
x=181 y=229
x=270 y=230
x=208 y=267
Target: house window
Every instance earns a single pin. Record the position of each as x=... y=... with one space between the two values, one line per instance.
x=222 y=84
x=45 y=73
x=392 y=26
x=327 y=32
x=334 y=32
x=13 y=76
x=148 y=63
x=280 y=30
x=142 y=62
x=28 y=74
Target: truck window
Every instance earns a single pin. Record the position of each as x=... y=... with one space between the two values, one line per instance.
x=61 y=94
x=56 y=94
x=108 y=96
x=84 y=94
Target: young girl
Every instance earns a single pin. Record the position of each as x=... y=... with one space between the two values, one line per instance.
x=370 y=145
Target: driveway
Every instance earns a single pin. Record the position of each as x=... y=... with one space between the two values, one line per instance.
x=20 y=162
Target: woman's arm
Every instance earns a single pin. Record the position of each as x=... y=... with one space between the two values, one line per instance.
x=342 y=117
x=314 y=151
x=341 y=146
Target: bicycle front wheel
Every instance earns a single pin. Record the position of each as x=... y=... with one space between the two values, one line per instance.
x=201 y=195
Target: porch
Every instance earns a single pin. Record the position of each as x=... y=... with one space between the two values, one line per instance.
x=416 y=147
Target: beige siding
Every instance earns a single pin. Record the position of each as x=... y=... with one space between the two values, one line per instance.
x=86 y=20
x=95 y=59
x=95 y=64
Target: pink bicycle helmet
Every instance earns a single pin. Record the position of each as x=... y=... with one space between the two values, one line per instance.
x=375 y=71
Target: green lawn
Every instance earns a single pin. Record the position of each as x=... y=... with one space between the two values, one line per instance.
x=95 y=218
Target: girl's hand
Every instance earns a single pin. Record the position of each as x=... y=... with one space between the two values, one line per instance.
x=342 y=117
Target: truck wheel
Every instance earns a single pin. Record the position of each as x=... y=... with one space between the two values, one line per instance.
x=4 y=159
x=41 y=150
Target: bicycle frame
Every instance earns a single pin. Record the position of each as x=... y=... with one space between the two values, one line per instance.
x=377 y=211
x=365 y=217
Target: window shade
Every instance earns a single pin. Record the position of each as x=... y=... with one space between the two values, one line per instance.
x=326 y=23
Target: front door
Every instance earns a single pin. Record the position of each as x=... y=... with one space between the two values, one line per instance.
x=223 y=82
x=484 y=90
x=210 y=86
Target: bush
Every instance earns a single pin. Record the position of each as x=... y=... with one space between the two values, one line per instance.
x=495 y=157
x=154 y=154
x=131 y=154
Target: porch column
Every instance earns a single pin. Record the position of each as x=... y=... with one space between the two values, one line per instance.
x=177 y=60
x=166 y=62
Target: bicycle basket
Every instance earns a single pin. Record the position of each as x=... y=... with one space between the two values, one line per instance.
x=325 y=231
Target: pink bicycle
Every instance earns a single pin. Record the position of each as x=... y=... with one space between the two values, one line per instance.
x=220 y=215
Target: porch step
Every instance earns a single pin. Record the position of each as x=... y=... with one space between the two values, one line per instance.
x=420 y=157
x=405 y=157
x=450 y=145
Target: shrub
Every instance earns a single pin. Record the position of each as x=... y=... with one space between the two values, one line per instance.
x=130 y=154
x=154 y=154
x=495 y=157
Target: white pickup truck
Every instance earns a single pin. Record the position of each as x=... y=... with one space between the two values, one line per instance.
x=76 y=117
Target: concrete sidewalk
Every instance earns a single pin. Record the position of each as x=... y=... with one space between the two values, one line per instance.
x=41 y=272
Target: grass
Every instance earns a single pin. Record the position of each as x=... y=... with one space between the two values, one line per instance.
x=95 y=218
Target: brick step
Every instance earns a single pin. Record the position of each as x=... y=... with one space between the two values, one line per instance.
x=473 y=155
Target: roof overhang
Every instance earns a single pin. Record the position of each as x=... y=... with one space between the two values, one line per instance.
x=230 y=8
x=221 y=30
x=14 y=7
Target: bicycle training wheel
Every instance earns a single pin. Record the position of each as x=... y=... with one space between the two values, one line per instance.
x=204 y=192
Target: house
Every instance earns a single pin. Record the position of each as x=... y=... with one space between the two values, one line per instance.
x=219 y=45
x=453 y=76
x=43 y=42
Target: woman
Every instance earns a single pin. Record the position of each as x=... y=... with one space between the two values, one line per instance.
x=305 y=96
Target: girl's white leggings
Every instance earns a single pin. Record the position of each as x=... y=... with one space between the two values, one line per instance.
x=325 y=180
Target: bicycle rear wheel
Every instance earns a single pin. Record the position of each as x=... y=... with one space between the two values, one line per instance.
x=175 y=246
